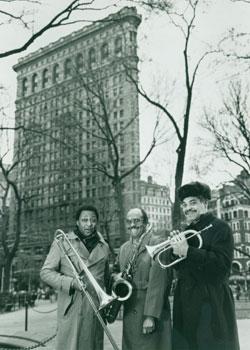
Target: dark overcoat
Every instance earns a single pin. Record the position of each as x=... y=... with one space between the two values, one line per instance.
x=203 y=311
x=78 y=327
x=151 y=286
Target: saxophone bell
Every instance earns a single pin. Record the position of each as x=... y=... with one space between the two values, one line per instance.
x=121 y=288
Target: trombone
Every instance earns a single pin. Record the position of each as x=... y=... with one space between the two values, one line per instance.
x=155 y=251
x=79 y=268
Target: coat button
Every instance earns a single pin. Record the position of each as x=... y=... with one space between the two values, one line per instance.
x=134 y=312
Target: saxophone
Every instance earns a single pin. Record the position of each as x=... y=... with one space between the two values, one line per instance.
x=122 y=284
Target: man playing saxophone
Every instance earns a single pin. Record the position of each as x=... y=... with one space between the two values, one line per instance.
x=78 y=326
x=146 y=320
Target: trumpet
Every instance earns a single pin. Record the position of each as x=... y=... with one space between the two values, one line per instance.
x=79 y=268
x=157 y=250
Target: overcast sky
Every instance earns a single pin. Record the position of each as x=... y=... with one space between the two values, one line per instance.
x=160 y=49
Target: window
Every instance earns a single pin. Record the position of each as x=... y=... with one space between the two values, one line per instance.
x=24 y=86
x=79 y=62
x=55 y=74
x=118 y=44
x=34 y=82
x=67 y=68
x=92 y=57
x=45 y=78
x=104 y=51
x=132 y=36
x=237 y=238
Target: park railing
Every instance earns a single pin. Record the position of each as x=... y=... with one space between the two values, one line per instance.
x=14 y=301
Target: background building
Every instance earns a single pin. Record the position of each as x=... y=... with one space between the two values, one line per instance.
x=155 y=200
x=61 y=152
x=232 y=205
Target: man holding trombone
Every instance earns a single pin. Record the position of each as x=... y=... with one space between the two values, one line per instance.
x=203 y=311
x=80 y=252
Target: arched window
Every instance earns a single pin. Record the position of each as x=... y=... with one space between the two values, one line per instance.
x=236 y=267
x=24 y=86
x=67 y=68
x=79 y=62
x=55 y=74
x=118 y=45
x=34 y=83
x=92 y=57
x=104 y=51
x=45 y=78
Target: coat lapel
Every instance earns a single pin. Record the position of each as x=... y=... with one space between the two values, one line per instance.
x=98 y=253
x=145 y=241
x=90 y=259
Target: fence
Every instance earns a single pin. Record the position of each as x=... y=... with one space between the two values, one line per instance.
x=14 y=301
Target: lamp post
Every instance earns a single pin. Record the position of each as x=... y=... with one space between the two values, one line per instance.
x=245 y=280
x=2 y=279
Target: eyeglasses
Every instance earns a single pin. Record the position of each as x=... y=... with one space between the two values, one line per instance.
x=134 y=221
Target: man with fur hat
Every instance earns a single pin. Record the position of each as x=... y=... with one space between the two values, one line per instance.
x=203 y=311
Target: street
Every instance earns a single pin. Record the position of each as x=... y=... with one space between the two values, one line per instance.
x=42 y=325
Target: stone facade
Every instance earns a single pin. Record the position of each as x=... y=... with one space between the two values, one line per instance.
x=230 y=204
x=63 y=156
x=155 y=200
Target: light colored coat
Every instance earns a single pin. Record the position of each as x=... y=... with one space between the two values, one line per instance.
x=151 y=285
x=78 y=327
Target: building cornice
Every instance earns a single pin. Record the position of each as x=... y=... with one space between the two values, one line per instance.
x=121 y=15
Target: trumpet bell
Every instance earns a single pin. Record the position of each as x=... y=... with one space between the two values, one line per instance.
x=153 y=250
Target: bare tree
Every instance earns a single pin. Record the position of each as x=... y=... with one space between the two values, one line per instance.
x=9 y=240
x=185 y=23
x=106 y=131
x=230 y=128
x=20 y=15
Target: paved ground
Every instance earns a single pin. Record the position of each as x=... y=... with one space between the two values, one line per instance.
x=42 y=325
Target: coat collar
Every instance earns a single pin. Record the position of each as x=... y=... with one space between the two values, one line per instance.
x=97 y=254
x=204 y=220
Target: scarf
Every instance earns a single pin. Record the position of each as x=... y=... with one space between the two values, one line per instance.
x=90 y=241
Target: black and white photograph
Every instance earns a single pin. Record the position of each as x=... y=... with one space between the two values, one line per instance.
x=124 y=174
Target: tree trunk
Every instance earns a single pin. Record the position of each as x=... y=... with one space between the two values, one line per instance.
x=120 y=210
x=7 y=270
x=178 y=182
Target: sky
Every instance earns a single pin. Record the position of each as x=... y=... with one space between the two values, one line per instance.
x=160 y=47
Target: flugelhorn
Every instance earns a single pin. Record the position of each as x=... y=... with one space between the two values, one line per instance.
x=79 y=268
x=157 y=250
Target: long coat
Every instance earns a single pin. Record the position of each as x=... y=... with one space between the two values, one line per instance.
x=78 y=327
x=151 y=286
x=203 y=311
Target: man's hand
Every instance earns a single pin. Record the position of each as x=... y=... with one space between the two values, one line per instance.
x=179 y=244
x=75 y=285
x=148 y=325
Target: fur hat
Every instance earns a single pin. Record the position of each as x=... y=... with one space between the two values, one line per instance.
x=194 y=189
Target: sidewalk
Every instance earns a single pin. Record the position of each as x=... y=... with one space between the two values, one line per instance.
x=42 y=325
